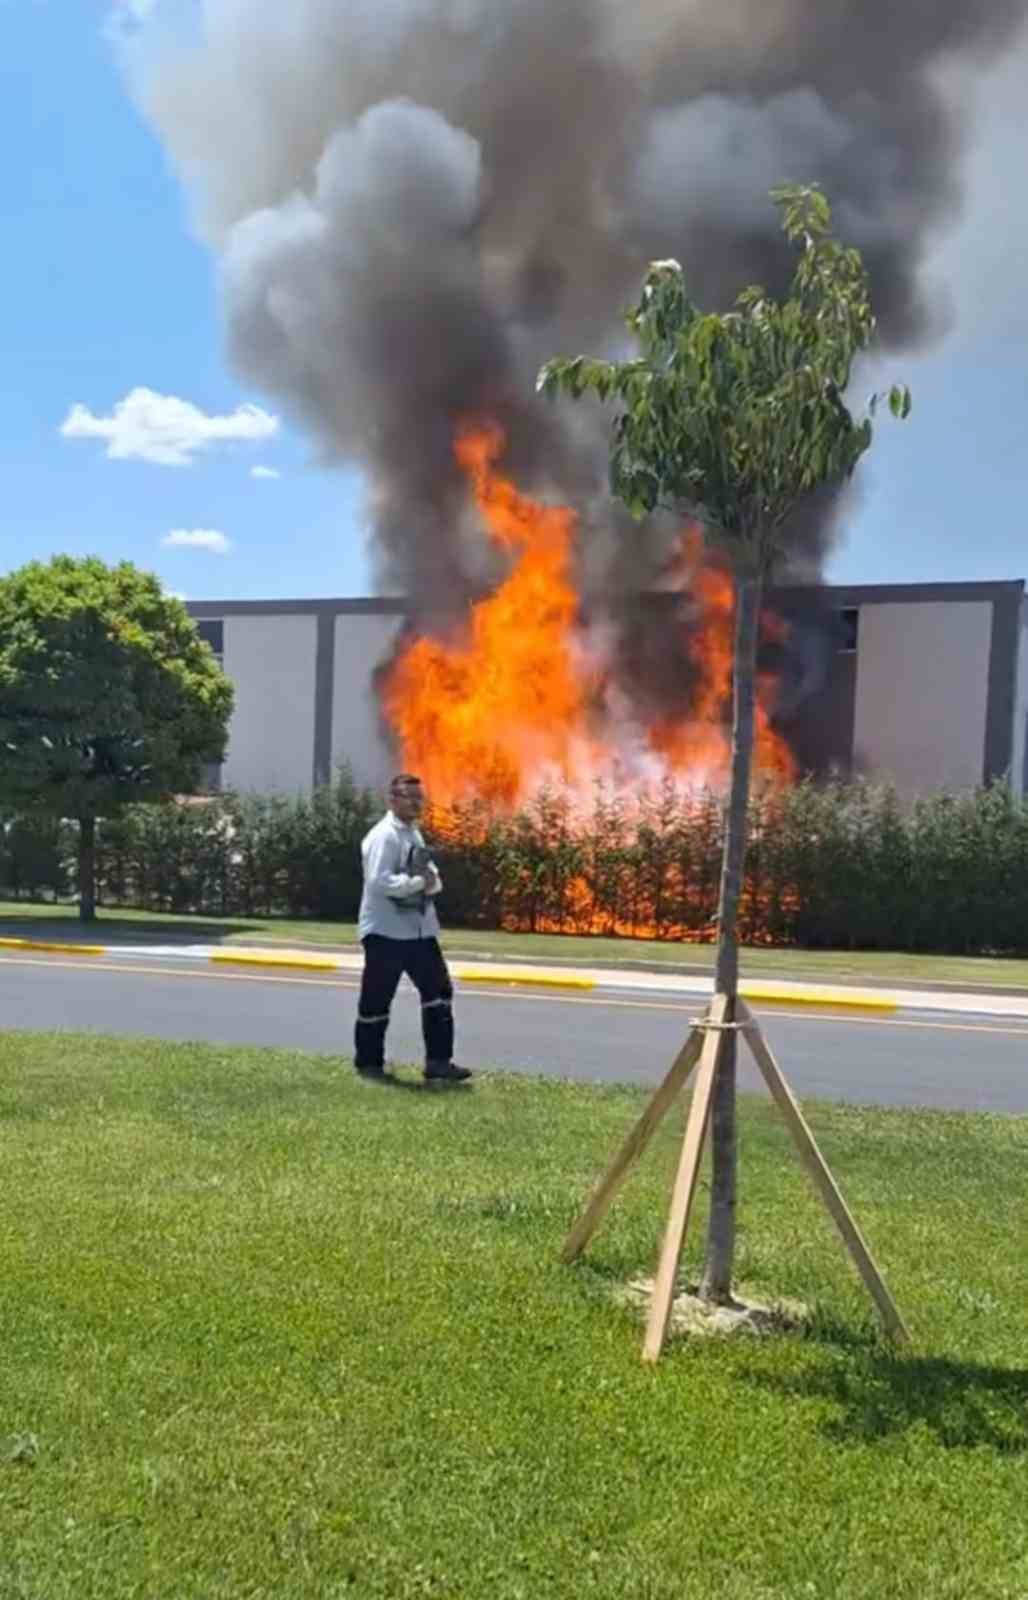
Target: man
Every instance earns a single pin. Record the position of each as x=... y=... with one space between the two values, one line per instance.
x=399 y=929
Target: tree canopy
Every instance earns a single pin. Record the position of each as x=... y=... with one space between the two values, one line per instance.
x=734 y=417
x=107 y=694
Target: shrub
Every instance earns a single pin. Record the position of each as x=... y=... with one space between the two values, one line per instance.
x=837 y=865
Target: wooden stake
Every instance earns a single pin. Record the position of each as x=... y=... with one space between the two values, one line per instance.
x=820 y=1173
x=685 y=1184
x=633 y=1147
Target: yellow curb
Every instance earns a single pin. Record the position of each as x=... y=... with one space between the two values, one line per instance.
x=274 y=959
x=545 y=980
x=832 y=999
x=54 y=949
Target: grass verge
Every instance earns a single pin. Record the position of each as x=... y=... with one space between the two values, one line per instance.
x=859 y=966
x=270 y=1331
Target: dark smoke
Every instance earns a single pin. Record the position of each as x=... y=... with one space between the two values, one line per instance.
x=416 y=202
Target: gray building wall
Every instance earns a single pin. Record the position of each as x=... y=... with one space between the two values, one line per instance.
x=922 y=694
x=923 y=685
x=303 y=672
x=271 y=661
x=363 y=644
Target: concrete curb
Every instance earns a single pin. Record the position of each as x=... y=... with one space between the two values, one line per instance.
x=812 y=997
x=54 y=949
x=555 y=978
x=301 y=961
x=287 y=958
x=536 y=980
x=833 y=999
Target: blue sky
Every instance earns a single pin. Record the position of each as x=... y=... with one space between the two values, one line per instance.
x=107 y=293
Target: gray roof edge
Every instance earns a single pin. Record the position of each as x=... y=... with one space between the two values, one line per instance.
x=204 y=610
x=847 y=595
x=841 y=595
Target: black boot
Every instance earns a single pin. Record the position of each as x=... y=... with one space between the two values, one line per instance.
x=446 y=1072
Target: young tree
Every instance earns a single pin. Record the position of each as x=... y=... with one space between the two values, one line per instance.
x=734 y=419
x=107 y=697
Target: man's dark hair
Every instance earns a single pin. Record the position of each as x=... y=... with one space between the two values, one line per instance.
x=404 y=780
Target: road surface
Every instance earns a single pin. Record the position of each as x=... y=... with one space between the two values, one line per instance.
x=947 y=1062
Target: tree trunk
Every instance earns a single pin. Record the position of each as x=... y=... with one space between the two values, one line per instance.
x=87 y=869
x=717 y=1276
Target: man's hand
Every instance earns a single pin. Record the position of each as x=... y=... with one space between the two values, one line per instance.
x=433 y=882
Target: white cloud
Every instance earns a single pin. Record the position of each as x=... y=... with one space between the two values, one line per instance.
x=265 y=472
x=162 y=429
x=198 y=539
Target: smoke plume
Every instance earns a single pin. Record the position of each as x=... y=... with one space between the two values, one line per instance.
x=416 y=202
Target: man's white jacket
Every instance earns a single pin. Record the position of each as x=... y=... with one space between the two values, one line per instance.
x=398 y=900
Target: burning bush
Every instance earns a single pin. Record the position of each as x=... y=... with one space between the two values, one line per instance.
x=837 y=866
x=525 y=695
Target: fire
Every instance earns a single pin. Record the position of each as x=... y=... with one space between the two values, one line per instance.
x=519 y=700
x=700 y=740
x=490 y=714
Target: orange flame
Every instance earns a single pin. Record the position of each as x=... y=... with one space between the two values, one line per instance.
x=700 y=739
x=487 y=715
x=515 y=701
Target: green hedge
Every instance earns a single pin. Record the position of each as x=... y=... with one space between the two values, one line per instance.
x=841 y=866
x=33 y=859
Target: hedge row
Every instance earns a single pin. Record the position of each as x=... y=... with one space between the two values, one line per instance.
x=832 y=866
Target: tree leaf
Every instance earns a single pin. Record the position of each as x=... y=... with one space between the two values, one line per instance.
x=900 y=401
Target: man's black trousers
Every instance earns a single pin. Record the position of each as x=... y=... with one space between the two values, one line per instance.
x=385 y=962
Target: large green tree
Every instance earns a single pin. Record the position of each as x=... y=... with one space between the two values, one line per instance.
x=107 y=697
x=735 y=419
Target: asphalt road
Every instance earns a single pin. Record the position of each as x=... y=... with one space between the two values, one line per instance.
x=964 y=1063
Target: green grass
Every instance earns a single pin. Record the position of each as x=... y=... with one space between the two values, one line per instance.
x=268 y=1331
x=898 y=967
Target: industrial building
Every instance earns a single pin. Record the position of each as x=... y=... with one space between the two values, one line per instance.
x=923 y=685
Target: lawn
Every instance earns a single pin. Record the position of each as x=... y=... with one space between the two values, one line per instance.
x=896 y=967
x=268 y=1331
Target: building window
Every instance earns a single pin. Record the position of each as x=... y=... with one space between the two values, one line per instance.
x=213 y=633
x=849 y=630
